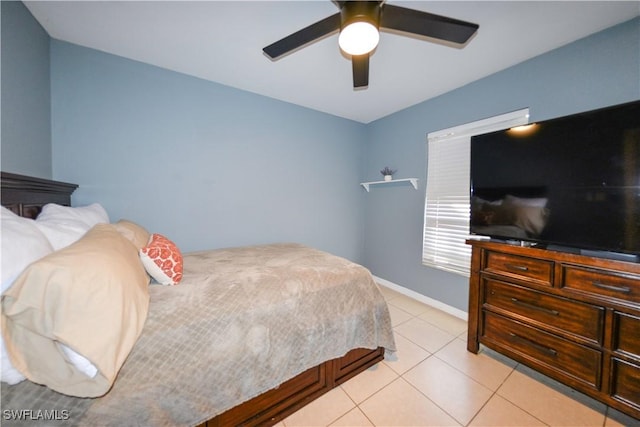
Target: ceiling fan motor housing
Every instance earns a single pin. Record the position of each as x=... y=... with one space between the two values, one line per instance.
x=360 y=11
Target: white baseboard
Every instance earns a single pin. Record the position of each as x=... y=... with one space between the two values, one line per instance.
x=423 y=299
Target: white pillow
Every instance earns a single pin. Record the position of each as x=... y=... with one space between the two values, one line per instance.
x=63 y=225
x=90 y=215
x=10 y=375
x=83 y=364
x=22 y=244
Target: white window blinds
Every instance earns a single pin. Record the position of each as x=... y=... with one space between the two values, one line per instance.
x=447 y=207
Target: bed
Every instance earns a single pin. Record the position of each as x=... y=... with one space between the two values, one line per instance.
x=248 y=337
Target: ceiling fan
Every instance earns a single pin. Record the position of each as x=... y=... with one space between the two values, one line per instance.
x=359 y=22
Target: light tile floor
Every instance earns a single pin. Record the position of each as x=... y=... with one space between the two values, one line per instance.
x=433 y=380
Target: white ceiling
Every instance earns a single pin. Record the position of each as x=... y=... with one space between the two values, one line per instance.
x=222 y=41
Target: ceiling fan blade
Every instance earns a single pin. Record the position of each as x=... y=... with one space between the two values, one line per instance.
x=360 y=66
x=426 y=24
x=303 y=36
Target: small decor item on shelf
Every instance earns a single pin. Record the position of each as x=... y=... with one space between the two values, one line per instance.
x=387 y=172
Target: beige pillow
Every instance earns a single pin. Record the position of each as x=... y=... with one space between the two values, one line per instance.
x=137 y=234
x=91 y=296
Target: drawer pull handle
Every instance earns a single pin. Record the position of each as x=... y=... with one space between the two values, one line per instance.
x=623 y=289
x=535 y=344
x=535 y=307
x=517 y=267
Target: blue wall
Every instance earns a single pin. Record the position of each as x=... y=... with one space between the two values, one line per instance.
x=208 y=165
x=212 y=166
x=601 y=70
x=26 y=101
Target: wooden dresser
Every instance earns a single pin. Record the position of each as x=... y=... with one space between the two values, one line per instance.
x=574 y=318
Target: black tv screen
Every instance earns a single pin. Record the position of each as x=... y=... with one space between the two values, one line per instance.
x=570 y=182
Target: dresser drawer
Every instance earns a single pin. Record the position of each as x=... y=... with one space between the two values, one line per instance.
x=520 y=267
x=626 y=383
x=562 y=356
x=584 y=320
x=627 y=334
x=625 y=286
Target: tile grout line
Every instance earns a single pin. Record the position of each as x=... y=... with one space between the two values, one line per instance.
x=493 y=393
x=430 y=400
x=513 y=403
x=606 y=412
x=357 y=405
x=431 y=354
x=417 y=317
x=434 y=354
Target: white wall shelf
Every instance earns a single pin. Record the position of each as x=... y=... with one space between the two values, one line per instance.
x=413 y=181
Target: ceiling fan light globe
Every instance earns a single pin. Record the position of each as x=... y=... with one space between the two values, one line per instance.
x=358 y=38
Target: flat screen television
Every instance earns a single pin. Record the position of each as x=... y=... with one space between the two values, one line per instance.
x=570 y=183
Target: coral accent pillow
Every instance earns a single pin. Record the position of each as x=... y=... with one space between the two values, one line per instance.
x=162 y=260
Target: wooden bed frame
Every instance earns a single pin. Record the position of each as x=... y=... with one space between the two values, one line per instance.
x=26 y=195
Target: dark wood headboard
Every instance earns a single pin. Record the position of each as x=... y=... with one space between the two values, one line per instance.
x=25 y=195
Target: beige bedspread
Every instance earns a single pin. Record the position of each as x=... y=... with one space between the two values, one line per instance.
x=243 y=321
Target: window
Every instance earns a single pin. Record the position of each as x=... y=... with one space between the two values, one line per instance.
x=447 y=206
